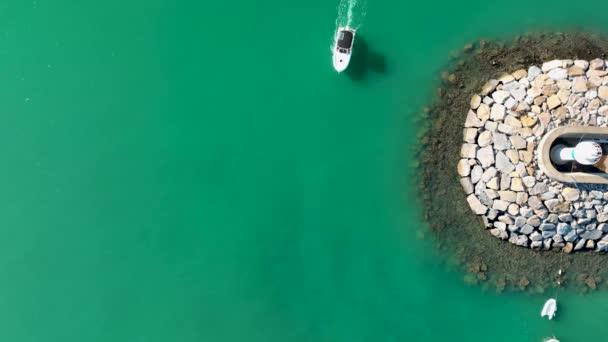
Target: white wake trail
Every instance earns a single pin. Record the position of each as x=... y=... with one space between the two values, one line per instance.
x=350 y=13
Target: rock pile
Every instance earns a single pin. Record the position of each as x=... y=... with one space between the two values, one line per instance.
x=498 y=169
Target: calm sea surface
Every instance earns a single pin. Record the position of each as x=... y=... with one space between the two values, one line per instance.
x=196 y=171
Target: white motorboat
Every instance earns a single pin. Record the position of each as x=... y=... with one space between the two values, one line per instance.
x=343 y=48
x=552 y=340
x=549 y=308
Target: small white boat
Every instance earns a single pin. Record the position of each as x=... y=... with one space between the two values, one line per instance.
x=343 y=48
x=549 y=308
x=552 y=340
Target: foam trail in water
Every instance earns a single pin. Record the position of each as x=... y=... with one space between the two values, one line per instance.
x=350 y=13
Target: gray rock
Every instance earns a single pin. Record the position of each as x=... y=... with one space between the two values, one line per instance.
x=497 y=113
x=603 y=227
x=552 y=218
x=513 y=209
x=472 y=120
x=547 y=226
x=511 y=120
x=476 y=205
x=535 y=236
x=500 y=225
x=548 y=66
x=486 y=156
x=500 y=96
x=479 y=188
x=488 y=174
x=463 y=168
x=520 y=168
x=551 y=204
x=494 y=183
x=563 y=228
x=547 y=244
x=538 y=189
x=466 y=184
x=526 y=229
x=490 y=126
x=542 y=213
x=567 y=217
x=468 y=151
x=503 y=164
x=495 y=232
x=579 y=245
x=500 y=205
x=522 y=241
x=596 y=194
x=505 y=219
x=500 y=142
x=518 y=93
x=592 y=234
x=533 y=71
x=522 y=197
x=571 y=236
x=520 y=221
x=536 y=244
x=603 y=217
x=571 y=194
x=579 y=214
x=484 y=139
x=584 y=221
x=476 y=174
x=547 y=234
x=485 y=199
x=547 y=195
x=558 y=74
x=535 y=202
x=505 y=182
x=510 y=104
x=602 y=246
x=534 y=221
x=507 y=195
x=581 y=64
x=518 y=142
x=557 y=238
x=529 y=181
x=492 y=194
x=526 y=212
x=506 y=129
x=492 y=213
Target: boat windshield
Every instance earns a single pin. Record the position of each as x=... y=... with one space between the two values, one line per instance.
x=345 y=39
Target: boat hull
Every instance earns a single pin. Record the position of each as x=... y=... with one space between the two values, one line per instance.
x=549 y=309
x=341 y=61
x=342 y=50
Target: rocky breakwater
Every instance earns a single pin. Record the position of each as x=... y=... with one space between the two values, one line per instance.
x=498 y=165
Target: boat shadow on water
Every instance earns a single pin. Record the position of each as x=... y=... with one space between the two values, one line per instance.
x=365 y=60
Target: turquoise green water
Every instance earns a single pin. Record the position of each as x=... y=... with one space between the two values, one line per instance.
x=196 y=171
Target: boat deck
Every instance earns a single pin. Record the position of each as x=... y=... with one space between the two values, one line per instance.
x=345 y=40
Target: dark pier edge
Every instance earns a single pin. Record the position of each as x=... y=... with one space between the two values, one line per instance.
x=457 y=231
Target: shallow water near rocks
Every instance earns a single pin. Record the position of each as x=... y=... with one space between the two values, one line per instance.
x=171 y=175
